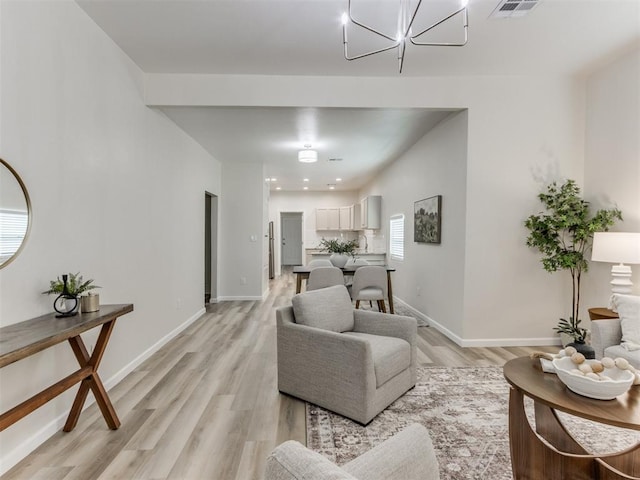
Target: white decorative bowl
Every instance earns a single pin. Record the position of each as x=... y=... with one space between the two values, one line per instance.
x=617 y=381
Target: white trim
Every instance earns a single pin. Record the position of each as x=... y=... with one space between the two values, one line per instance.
x=424 y=320
x=11 y=458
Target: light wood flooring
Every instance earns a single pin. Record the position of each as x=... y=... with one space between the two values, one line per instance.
x=206 y=406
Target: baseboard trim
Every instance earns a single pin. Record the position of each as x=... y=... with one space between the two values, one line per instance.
x=34 y=441
x=424 y=320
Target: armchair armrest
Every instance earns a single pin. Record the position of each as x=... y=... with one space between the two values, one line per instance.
x=605 y=333
x=386 y=325
x=409 y=455
x=313 y=363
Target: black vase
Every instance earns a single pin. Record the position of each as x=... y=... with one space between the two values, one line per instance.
x=586 y=350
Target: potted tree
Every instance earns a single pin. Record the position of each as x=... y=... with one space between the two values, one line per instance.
x=340 y=250
x=563 y=234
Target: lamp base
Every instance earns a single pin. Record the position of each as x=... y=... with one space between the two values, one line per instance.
x=621 y=279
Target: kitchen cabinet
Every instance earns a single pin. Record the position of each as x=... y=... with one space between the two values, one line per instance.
x=345 y=218
x=370 y=212
x=327 y=219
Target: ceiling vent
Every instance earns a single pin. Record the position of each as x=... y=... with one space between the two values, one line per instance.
x=335 y=159
x=513 y=8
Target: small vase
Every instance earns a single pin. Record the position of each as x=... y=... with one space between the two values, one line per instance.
x=586 y=350
x=339 y=260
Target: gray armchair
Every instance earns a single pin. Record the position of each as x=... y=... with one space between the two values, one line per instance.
x=607 y=334
x=352 y=362
x=409 y=455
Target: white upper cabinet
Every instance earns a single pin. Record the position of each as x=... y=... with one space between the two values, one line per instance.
x=370 y=212
x=345 y=218
x=327 y=219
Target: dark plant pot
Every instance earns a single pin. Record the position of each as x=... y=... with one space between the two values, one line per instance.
x=586 y=350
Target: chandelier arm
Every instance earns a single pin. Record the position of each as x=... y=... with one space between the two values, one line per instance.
x=465 y=26
x=413 y=17
x=366 y=27
x=347 y=57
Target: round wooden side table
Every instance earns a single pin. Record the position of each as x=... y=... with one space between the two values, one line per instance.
x=550 y=452
x=601 y=313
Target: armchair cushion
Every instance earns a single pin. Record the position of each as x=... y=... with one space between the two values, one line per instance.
x=408 y=455
x=293 y=461
x=390 y=355
x=628 y=308
x=328 y=308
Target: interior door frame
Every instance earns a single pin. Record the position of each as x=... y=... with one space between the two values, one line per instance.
x=278 y=239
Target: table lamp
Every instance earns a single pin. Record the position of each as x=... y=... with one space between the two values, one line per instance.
x=620 y=248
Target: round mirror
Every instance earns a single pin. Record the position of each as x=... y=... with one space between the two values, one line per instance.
x=15 y=214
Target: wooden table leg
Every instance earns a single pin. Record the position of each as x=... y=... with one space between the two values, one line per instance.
x=93 y=381
x=390 y=292
x=561 y=457
x=298 y=283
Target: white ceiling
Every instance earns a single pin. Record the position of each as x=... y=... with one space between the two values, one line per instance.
x=304 y=37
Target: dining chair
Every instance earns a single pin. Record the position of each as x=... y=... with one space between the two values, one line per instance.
x=323 y=277
x=370 y=283
x=353 y=264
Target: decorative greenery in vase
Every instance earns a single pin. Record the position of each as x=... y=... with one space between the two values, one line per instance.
x=76 y=285
x=564 y=234
x=338 y=246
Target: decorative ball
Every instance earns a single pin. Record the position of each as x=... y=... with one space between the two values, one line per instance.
x=608 y=362
x=577 y=358
x=593 y=376
x=568 y=351
x=562 y=353
x=597 y=367
x=636 y=381
x=622 y=363
x=585 y=368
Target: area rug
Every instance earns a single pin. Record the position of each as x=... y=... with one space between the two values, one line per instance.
x=465 y=410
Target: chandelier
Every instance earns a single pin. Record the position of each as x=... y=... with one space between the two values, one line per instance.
x=404 y=33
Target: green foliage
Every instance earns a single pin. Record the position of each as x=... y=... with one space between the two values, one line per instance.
x=76 y=285
x=573 y=329
x=564 y=234
x=338 y=246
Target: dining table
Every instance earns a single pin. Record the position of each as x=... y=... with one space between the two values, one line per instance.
x=302 y=273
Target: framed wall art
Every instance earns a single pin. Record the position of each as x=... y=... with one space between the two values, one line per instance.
x=427 y=220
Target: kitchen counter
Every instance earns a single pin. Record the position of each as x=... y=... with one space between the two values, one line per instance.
x=373 y=257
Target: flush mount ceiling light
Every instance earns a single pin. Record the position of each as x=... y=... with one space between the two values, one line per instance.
x=307 y=155
x=404 y=33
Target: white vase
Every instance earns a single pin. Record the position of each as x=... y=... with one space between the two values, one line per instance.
x=338 y=259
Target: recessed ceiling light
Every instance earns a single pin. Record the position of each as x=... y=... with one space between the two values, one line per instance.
x=305 y=188
x=332 y=187
x=278 y=188
x=273 y=179
x=338 y=179
x=267 y=179
x=305 y=179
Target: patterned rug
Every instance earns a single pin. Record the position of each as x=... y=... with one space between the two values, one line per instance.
x=465 y=410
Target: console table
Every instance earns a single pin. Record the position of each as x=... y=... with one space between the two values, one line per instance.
x=24 y=339
x=550 y=452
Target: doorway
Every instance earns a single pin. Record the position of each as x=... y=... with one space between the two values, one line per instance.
x=291 y=238
x=210 y=248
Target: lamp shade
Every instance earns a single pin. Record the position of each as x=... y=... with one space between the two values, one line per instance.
x=616 y=247
x=307 y=156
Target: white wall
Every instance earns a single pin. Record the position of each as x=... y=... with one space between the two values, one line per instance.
x=522 y=133
x=612 y=158
x=430 y=278
x=117 y=193
x=243 y=225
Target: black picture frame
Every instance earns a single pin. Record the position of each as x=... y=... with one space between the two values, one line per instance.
x=427 y=220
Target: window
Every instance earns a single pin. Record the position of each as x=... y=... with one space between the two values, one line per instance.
x=13 y=228
x=396 y=241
